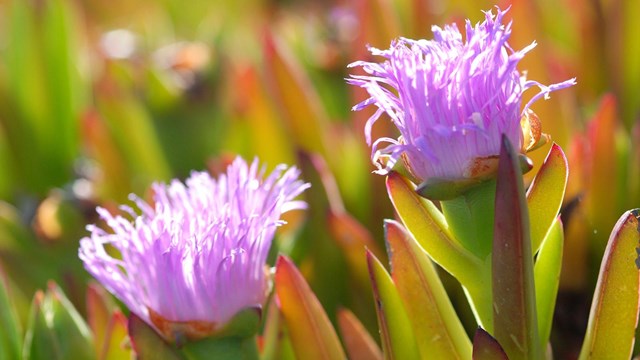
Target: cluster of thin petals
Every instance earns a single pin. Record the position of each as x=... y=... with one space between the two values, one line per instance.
x=198 y=252
x=451 y=99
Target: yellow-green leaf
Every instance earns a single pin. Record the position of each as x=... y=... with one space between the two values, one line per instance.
x=398 y=339
x=546 y=193
x=438 y=331
x=614 y=310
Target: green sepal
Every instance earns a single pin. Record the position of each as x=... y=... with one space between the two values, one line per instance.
x=436 y=188
x=147 y=343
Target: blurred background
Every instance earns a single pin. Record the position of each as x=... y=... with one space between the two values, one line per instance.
x=98 y=99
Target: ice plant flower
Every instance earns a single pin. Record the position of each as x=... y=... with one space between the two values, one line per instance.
x=195 y=257
x=451 y=99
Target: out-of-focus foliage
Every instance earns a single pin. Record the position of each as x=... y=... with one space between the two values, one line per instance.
x=98 y=99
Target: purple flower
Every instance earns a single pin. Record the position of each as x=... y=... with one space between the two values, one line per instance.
x=450 y=99
x=197 y=255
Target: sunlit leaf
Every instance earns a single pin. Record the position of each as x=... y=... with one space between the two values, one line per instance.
x=359 y=345
x=546 y=193
x=614 y=310
x=427 y=225
x=56 y=330
x=547 y=279
x=438 y=330
x=310 y=330
x=514 y=305
x=398 y=339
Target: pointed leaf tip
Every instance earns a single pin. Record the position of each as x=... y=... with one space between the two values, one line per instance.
x=311 y=332
x=514 y=304
x=485 y=347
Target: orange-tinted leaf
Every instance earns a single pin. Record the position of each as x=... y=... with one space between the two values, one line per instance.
x=358 y=343
x=398 y=339
x=436 y=326
x=310 y=330
x=294 y=93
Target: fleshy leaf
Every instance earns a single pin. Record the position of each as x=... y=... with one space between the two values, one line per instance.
x=435 y=323
x=398 y=340
x=485 y=347
x=616 y=301
x=546 y=193
x=514 y=306
x=56 y=330
x=310 y=330
x=547 y=278
x=10 y=342
x=358 y=343
x=116 y=346
x=99 y=312
x=423 y=219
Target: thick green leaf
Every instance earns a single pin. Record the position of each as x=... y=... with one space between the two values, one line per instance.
x=398 y=339
x=56 y=330
x=485 y=347
x=10 y=342
x=616 y=301
x=147 y=343
x=310 y=330
x=438 y=330
x=547 y=278
x=357 y=341
x=546 y=193
x=514 y=303
x=428 y=226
